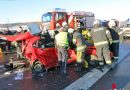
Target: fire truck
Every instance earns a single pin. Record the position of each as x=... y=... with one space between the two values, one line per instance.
x=58 y=15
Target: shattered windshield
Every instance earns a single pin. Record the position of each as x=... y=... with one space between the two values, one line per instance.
x=47 y=17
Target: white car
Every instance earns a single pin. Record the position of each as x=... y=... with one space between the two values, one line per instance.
x=126 y=32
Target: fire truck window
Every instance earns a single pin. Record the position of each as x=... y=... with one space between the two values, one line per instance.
x=56 y=17
x=59 y=16
x=47 y=17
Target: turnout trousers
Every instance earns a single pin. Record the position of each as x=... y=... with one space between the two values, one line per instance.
x=62 y=58
x=114 y=47
x=62 y=54
x=103 y=53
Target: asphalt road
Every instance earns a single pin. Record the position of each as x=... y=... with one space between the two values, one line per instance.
x=118 y=78
x=51 y=80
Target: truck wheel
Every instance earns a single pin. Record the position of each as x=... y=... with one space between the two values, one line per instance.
x=37 y=67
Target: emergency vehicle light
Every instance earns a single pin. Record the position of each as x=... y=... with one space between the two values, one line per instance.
x=83 y=13
x=57 y=10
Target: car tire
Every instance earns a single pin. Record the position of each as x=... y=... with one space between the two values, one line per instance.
x=38 y=67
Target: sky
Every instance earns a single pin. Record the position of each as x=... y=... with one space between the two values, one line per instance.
x=12 y=11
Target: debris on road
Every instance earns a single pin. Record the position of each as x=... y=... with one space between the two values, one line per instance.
x=7 y=73
x=19 y=75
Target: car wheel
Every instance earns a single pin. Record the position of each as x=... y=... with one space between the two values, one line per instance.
x=38 y=67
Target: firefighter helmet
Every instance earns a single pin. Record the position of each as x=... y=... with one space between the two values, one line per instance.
x=20 y=28
x=96 y=22
x=78 y=25
x=64 y=24
x=58 y=25
x=111 y=23
x=70 y=30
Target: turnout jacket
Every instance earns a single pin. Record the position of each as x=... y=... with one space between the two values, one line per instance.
x=100 y=36
x=79 y=41
x=115 y=33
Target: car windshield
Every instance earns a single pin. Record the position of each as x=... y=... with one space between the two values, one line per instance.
x=47 y=17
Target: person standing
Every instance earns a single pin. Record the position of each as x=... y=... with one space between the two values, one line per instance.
x=79 y=42
x=62 y=45
x=101 y=38
x=8 y=43
x=115 y=32
x=18 y=43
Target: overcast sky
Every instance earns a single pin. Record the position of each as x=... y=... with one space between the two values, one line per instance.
x=12 y=11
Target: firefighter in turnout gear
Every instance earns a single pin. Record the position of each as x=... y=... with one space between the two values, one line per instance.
x=115 y=31
x=62 y=45
x=101 y=38
x=79 y=41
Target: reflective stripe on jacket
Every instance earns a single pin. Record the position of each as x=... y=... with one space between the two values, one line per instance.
x=100 y=36
x=115 y=41
x=61 y=39
x=81 y=48
x=121 y=32
x=74 y=41
x=101 y=43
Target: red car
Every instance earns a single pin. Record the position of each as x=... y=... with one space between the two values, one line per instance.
x=41 y=58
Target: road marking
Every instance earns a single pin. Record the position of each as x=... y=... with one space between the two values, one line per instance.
x=90 y=78
x=85 y=82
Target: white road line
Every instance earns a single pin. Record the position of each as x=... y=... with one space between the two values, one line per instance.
x=90 y=78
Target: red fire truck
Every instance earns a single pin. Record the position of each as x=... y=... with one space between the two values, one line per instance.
x=52 y=17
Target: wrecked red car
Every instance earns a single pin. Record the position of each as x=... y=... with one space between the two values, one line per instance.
x=41 y=59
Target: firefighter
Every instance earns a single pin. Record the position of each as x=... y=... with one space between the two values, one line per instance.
x=62 y=45
x=101 y=38
x=115 y=31
x=8 y=44
x=18 y=43
x=79 y=41
x=46 y=38
x=80 y=26
x=58 y=26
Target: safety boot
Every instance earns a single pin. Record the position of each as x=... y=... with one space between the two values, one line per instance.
x=59 y=68
x=115 y=58
x=60 y=64
x=109 y=64
x=78 y=68
x=63 y=68
x=101 y=64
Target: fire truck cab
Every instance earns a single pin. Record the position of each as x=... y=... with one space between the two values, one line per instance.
x=52 y=17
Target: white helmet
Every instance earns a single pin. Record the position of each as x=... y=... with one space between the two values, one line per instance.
x=57 y=25
x=70 y=30
x=96 y=22
x=64 y=24
x=111 y=23
x=45 y=28
x=19 y=28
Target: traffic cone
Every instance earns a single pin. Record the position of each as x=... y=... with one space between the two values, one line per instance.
x=114 y=87
x=11 y=63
